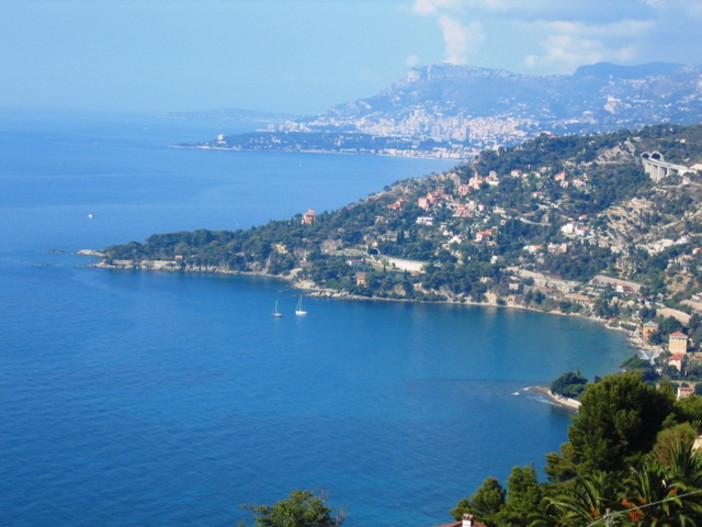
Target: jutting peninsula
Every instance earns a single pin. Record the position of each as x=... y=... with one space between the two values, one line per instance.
x=604 y=226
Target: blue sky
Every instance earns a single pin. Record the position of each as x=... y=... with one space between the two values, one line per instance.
x=302 y=56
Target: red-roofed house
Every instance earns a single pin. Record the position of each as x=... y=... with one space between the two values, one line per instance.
x=396 y=205
x=685 y=391
x=468 y=521
x=484 y=236
x=676 y=361
x=462 y=211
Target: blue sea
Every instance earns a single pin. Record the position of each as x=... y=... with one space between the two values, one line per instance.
x=133 y=399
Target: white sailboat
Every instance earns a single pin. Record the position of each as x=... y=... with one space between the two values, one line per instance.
x=276 y=313
x=298 y=310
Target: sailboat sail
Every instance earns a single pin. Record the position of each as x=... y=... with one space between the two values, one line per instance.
x=298 y=309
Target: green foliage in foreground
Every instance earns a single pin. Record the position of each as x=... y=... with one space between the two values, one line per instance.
x=301 y=509
x=630 y=462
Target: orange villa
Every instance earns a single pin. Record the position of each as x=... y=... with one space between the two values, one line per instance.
x=648 y=329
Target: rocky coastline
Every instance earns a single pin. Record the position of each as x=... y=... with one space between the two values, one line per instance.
x=565 y=402
x=312 y=289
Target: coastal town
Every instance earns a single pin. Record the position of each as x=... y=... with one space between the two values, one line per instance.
x=450 y=111
x=602 y=227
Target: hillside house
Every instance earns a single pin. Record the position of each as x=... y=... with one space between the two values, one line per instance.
x=438 y=195
x=685 y=391
x=677 y=361
x=569 y=228
x=484 y=236
x=308 y=217
x=677 y=343
x=648 y=329
x=397 y=205
x=463 y=189
x=476 y=182
x=467 y=521
x=582 y=231
x=623 y=285
x=462 y=211
x=557 y=248
x=532 y=249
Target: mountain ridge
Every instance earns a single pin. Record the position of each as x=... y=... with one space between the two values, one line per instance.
x=445 y=110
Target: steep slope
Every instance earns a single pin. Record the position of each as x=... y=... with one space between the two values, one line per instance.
x=448 y=110
x=573 y=223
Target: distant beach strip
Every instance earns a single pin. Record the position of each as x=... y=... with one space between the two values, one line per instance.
x=571 y=404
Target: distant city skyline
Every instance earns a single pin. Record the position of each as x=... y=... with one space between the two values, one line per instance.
x=303 y=56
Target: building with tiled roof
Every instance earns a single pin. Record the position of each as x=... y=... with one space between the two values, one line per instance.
x=676 y=361
x=677 y=343
x=685 y=391
x=467 y=521
x=648 y=329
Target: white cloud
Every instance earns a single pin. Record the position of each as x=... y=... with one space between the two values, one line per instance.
x=549 y=36
x=567 y=45
x=460 y=40
x=431 y=7
x=456 y=39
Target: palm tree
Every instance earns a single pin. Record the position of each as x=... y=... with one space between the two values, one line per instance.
x=685 y=465
x=591 y=499
x=661 y=496
x=649 y=500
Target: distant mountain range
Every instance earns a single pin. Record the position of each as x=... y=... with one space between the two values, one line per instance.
x=453 y=111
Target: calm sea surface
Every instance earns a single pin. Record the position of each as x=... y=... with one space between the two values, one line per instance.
x=133 y=399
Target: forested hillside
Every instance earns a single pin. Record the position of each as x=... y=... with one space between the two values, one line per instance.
x=530 y=225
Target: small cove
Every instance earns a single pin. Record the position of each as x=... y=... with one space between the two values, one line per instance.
x=136 y=398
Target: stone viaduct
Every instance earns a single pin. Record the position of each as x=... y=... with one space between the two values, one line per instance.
x=656 y=167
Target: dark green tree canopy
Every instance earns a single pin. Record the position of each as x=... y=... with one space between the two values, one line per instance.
x=618 y=421
x=488 y=499
x=570 y=384
x=301 y=509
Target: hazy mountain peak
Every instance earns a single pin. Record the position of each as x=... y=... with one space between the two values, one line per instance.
x=451 y=110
